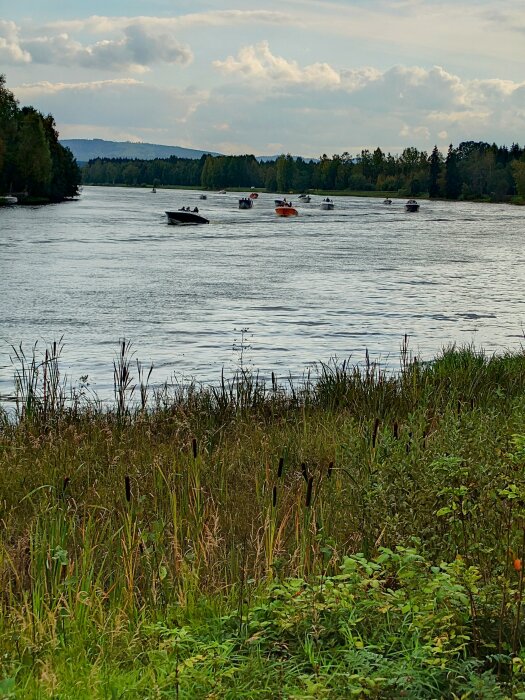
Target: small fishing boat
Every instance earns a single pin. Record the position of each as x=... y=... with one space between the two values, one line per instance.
x=154 y=190
x=286 y=210
x=221 y=192
x=185 y=217
x=327 y=204
x=254 y=195
x=411 y=205
x=8 y=199
x=387 y=201
x=305 y=198
x=203 y=196
x=245 y=203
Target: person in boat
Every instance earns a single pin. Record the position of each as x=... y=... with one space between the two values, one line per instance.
x=196 y=210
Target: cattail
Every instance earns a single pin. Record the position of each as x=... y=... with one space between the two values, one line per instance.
x=374 y=432
x=471 y=404
x=330 y=468
x=409 y=443
x=274 y=382
x=396 y=430
x=274 y=496
x=194 y=447
x=127 y=484
x=280 y=467
x=65 y=484
x=304 y=471
x=309 y=492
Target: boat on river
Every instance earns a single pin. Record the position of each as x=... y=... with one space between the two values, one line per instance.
x=8 y=199
x=182 y=217
x=305 y=198
x=411 y=205
x=327 y=204
x=286 y=210
x=245 y=203
x=387 y=201
x=254 y=195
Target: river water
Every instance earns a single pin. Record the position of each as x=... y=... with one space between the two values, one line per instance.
x=283 y=293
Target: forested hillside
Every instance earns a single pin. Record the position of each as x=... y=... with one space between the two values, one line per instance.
x=472 y=170
x=89 y=149
x=32 y=161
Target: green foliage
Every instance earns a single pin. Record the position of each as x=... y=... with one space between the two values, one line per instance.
x=360 y=534
x=473 y=170
x=31 y=159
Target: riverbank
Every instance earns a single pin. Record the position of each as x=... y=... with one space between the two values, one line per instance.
x=392 y=194
x=360 y=535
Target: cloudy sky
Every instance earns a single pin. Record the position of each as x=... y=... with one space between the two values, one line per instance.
x=300 y=76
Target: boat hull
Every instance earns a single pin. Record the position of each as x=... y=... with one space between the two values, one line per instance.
x=327 y=206
x=8 y=199
x=411 y=207
x=185 y=218
x=286 y=211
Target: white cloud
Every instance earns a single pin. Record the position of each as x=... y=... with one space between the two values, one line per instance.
x=97 y=24
x=125 y=105
x=257 y=63
x=10 y=48
x=136 y=50
x=36 y=90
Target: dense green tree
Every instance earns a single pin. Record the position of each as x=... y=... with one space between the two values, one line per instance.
x=434 y=172
x=452 y=179
x=31 y=157
x=34 y=162
x=518 y=172
x=471 y=170
x=285 y=171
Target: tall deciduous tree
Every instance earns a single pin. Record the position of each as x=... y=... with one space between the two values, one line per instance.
x=518 y=171
x=33 y=155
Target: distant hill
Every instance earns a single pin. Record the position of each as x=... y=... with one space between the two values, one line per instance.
x=87 y=149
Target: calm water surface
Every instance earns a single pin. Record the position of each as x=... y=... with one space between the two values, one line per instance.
x=325 y=283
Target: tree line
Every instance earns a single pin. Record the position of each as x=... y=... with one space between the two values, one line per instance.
x=472 y=170
x=33 y=163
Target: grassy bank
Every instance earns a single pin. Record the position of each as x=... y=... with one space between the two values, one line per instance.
x=360 y=535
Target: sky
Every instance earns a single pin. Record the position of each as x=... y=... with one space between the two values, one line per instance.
x=306 y=77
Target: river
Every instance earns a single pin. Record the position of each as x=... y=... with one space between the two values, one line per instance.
x=275 y=294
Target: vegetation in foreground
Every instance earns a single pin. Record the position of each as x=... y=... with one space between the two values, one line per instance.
x=359 y=536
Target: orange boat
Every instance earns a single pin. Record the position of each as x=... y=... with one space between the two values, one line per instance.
x=254 y=195
x=286 y=210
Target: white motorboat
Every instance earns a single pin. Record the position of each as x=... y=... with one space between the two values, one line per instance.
x=327 y=204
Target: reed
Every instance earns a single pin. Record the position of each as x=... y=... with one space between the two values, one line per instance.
x=189 y=502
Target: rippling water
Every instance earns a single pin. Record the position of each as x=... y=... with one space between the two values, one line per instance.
x=325 y=283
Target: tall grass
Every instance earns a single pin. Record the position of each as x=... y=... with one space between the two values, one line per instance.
x=154 y=509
